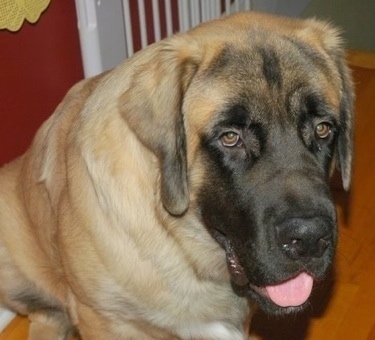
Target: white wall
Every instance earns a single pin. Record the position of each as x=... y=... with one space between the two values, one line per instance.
x=290 y=8
x=5 y=317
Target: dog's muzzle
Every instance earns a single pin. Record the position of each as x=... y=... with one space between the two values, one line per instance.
x=300 y=240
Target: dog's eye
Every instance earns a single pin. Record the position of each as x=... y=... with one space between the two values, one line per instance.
x=323 y=130
x=230 y=139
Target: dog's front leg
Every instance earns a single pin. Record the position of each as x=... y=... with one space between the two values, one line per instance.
x=50 y=325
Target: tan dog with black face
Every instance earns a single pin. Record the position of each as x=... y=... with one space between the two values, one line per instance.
x=166 y=198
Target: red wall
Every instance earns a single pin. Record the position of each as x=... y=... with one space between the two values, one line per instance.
x=38 y=64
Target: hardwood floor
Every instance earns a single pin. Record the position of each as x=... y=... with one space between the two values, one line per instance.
x=345 y=307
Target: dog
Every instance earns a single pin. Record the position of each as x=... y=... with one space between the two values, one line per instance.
x=171 y=196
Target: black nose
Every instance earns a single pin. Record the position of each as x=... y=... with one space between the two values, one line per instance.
x=302 y=238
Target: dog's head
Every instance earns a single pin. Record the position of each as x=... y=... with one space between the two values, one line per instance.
x=248 y=116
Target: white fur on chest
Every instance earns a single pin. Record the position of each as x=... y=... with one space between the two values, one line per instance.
x=214 y=331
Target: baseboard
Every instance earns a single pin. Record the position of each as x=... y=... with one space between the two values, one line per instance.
x=6 y=317
x=364 y=59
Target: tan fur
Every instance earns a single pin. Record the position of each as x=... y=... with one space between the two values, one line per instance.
x=83 y=217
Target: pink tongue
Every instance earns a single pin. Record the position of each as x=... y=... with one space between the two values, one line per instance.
x=293 y=292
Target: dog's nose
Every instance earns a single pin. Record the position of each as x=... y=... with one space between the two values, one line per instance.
x=301 y=238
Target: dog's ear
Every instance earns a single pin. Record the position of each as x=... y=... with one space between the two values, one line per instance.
x=345 y=138
x=152 y=106
x=333 y=45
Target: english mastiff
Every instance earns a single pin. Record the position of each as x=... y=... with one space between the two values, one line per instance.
x=167 y=198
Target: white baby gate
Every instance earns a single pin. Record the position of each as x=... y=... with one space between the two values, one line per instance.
x=112 y=30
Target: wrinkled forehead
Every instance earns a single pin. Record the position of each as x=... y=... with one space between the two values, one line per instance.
x=273 y=78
